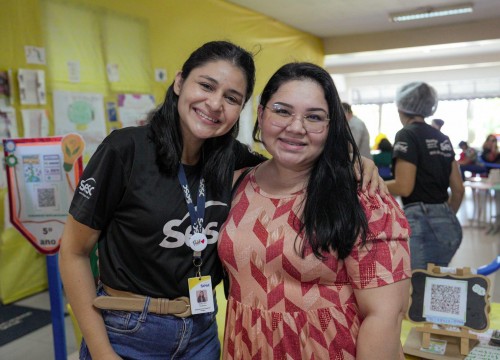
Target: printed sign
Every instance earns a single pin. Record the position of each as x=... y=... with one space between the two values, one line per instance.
x=41 y=176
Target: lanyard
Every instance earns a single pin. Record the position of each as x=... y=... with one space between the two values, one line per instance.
x=198 y=240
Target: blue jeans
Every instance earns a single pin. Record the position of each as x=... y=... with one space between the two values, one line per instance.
x=436 y=234
x=139 y=335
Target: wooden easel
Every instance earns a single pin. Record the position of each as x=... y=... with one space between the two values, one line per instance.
x=464 y=334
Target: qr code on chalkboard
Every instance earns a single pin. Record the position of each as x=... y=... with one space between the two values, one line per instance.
x=445 y=298
x=46 y=197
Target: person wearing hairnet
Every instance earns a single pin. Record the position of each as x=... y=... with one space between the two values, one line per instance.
x=424 y=167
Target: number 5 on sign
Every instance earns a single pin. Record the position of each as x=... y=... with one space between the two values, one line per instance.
x=41 y=175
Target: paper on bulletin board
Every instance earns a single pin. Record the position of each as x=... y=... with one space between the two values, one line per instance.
x=31 y=87
x=35 y=122
x=82 y=113
x=41 y=175
x=5 y=89
x=133 y=109
x=73 y=71
x=35 y=55
x=161 y=75
x=113 y=72
x=8 y=123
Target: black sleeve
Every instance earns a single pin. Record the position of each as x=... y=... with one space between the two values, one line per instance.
x=405 y=147
x=245 y=156
x=100 y=188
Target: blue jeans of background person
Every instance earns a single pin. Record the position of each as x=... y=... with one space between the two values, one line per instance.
x=436 y=234
x=143 y=335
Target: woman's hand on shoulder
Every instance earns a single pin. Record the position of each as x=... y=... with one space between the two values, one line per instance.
x=371 y=179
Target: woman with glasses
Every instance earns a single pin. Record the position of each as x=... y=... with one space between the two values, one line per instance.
x=318 y=268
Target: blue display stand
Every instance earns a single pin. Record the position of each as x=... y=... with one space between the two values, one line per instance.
x=56 y=308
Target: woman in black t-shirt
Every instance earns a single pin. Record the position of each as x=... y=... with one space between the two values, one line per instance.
x=424 y=167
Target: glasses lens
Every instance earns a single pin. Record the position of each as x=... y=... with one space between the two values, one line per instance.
x=315 y=122
x=283 y=115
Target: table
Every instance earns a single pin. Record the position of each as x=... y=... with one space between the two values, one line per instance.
x=486 y=203
x=407 y=325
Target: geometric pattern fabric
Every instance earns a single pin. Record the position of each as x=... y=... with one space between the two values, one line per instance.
x=283 y=306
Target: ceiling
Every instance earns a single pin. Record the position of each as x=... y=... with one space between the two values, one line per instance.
x=326 y=18
x=358 y=35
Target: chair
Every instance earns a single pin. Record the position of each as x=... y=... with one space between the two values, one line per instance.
x=475 y=170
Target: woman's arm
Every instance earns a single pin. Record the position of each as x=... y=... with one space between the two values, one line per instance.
x=457 y=187
x=76 y=244
x=383 y=309
x=404 y=178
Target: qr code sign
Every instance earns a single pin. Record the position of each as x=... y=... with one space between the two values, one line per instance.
x=46 y=197
x=445 y=298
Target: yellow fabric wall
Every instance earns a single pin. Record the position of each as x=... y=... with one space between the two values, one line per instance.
x=178 y=27
x=175 y=29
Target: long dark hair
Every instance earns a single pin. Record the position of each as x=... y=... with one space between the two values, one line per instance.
x=218 y=156
x=333 y=217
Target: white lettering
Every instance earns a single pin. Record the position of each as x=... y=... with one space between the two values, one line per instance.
x=175 y=238
x=446 y=146
x=86 y=187
x=401 y=146
x=431 y=143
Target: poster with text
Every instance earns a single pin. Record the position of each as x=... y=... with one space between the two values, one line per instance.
x=41 y=177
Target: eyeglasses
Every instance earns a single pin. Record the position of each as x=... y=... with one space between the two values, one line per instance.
x=313 y=122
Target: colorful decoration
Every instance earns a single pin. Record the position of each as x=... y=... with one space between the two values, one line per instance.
x=72 y=146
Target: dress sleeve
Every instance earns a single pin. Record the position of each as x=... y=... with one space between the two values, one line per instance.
x=385 y=257
x=100 y=188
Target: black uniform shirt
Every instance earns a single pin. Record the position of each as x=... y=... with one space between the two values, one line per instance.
x=143 y=217
x=432 y=153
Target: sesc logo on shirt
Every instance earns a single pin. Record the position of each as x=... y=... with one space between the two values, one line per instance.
x=175 y=237
x=446 y=146
x=401 y=146
x=86 y=187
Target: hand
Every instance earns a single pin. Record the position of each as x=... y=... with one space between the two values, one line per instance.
x=371 y=178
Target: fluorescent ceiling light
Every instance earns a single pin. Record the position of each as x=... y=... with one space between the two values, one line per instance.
x=430 y=12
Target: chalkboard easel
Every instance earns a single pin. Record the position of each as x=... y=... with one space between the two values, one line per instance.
x=470 y=295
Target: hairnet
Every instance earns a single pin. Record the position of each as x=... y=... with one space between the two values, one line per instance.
x=417 y=98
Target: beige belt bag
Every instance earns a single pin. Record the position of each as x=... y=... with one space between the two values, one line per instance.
x=127 y=301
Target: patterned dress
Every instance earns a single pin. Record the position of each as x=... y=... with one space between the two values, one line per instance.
x=282 y=306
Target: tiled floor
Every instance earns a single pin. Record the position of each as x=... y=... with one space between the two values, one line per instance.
x=479 y=247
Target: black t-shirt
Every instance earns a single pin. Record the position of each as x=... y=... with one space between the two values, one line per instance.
x=143 y=217
x=432 y=153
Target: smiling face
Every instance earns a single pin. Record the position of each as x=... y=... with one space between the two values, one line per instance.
x=293 y=147
x=210 y=100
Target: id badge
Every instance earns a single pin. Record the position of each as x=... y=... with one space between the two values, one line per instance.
x=201 y=295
